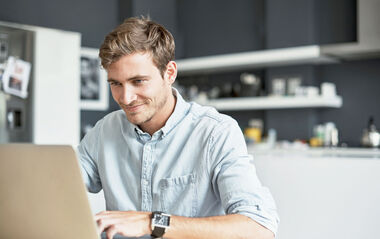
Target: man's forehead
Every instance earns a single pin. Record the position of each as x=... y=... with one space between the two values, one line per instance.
x=135 y=58
x=132 y=66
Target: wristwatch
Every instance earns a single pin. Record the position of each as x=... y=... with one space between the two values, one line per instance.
x=160 y=221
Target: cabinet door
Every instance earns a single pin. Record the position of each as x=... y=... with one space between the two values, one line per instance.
x=219 y=27
x=292 y=23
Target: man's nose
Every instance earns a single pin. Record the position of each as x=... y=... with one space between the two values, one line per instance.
x=128 y=96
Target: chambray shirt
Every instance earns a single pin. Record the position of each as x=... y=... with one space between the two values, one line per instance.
x=197 y=165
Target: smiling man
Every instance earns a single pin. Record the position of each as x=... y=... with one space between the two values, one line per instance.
x=140 y=90
x=168 y=168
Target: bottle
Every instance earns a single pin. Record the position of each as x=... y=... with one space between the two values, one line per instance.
x=319 y=136
x=371 y=137
x=331 y=135
x=253 y=132
x=272 y=138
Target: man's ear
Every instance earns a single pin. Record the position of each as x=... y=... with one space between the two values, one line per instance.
x=171 y=72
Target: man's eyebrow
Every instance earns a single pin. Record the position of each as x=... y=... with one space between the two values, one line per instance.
x=111 y=80
x=138 y=77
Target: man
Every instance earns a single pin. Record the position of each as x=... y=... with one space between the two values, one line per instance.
x=162 y=154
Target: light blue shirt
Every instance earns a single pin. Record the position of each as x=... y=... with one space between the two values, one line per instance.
x=197 y=165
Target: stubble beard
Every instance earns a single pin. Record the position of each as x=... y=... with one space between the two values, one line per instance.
x=147 y=116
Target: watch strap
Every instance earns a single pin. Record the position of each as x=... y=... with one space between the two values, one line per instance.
x=158 y=232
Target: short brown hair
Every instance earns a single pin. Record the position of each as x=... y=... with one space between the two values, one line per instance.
x=138 y=35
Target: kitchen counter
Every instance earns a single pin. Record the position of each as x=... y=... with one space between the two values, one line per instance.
x=368 y=153
x=322 y=192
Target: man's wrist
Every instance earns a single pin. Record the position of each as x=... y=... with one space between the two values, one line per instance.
x=149 y=229
x=160 y=223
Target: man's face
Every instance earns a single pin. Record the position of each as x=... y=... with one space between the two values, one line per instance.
x=138 y=87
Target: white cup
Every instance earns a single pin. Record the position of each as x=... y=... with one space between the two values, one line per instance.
x=312 y=91
x=278 y=87
x=328 y=89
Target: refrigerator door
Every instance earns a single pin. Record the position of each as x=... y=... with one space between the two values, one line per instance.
x=16 y=113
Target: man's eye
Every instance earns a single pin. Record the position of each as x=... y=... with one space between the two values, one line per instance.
x=113 y=83
x=138 y=81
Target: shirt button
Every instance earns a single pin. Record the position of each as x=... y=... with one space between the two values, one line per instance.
x=145 y=182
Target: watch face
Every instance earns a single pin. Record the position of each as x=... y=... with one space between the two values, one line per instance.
x=161 y=220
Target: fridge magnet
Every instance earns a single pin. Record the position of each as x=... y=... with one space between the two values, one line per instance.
x=16 y=77
x=94 y=86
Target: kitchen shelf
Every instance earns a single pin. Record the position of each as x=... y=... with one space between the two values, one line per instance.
x=255 y=59
x=274 y=102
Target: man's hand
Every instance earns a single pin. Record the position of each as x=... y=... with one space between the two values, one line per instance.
x=129 y=223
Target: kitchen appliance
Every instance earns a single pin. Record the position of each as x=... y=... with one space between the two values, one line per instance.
x=371 y=137
x=49 y=113
x=15 y=112
x=250 y=85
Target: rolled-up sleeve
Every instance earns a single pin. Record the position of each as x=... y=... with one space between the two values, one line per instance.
x=234 y=177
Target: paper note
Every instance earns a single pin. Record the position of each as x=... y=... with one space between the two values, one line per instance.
x=16 y=77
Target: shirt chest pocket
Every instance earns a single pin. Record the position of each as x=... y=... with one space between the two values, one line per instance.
x=178 y=195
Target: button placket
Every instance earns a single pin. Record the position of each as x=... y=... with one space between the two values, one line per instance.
x=146 y=178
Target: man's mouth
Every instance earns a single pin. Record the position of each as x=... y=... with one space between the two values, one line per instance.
x=132 y=108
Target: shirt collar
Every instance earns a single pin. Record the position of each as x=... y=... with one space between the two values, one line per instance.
x=180 y=110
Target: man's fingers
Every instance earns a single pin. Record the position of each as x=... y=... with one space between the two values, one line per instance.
x=111 y=231
x=101 y=214
x=126 y=223
x=104 y=216
x=109 y=214
x=103 y=224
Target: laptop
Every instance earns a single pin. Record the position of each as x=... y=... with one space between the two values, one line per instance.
x=42 y=194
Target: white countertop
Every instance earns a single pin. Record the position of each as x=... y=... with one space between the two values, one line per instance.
x=318 y=152
x=321 y=192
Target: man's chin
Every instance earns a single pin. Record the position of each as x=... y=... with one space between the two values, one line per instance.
x=137 y=119
x=134 y=119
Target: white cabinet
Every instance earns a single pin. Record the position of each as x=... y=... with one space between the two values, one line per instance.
x=323 y=193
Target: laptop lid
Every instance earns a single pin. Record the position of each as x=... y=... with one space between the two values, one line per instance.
x=42 y=194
